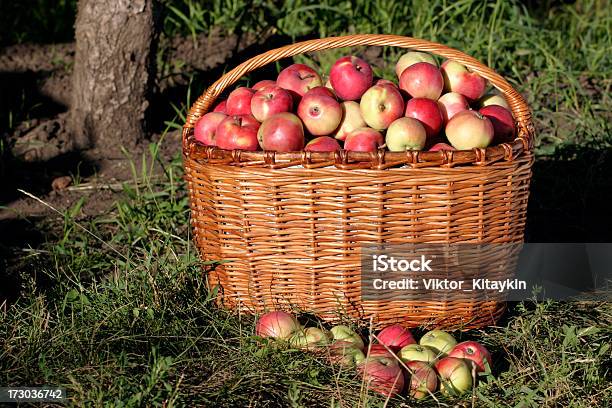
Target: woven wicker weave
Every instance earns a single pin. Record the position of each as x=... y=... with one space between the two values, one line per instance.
x=293 y=224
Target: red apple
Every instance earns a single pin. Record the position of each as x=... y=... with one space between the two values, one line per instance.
x=345 y=353
x=382 y=81
x=423 y=379
x=321 y=90
x=282 y=132
x=237 y=132
x=493 y=99
x=363 y=140
x=395 y=337
x=239 y=101
x=221 y=107
x=351 y=119
x=440 y=341
x=457 y=78
x=428 y=113
x=452 y=103
x=350 y=77
x=422 y=80
x=379 y=350
x=469 y=129
x=270 y=100
x=380 y=105
x=474 y=353
x=416 y=352
x=406 y=134
x=206 y=127
x=441 y=146
x=277 y=324
x=344 y=333
x=322 y=144
x=455 y=376
x=298 y=79
x=321 y=114
x=503 y=123
x=262 y=84
x=382 y=374
x=411 y=58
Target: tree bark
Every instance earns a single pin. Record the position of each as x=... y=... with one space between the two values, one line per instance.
x=113 y=73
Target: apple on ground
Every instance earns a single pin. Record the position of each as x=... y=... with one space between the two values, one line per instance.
x=395 y=336
x=237 y=132
x=221 y=107
x=440 y=341
x=417 y=352
x=298 y=79
x=441 y=146
x=321 y=114
x=322 y=144
x=452 y=103
x=282 y=132
x=382 y=374
x=321 y=90
x=428 y=113
x=239 y=101
x=423 y=379
x=455 y=376
x=379 y=350
x=502 y=121
x=411 y=58
x=270 y=100
x=381 y=105
x=406 y=134
x=206 y=127
x=345 y=353
x=474 y=353
x=351 y=119
x=345 y=333
x=468 y=130
x=278 y=324
x=350 y=77
x=363 y=140
x=493 y=99
x=457 y=78
x=310 y=338
x=262 y=84
x=422 y=80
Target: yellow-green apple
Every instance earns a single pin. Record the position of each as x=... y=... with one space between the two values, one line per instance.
x=493 y=99
x=473 y=353
x=379 y=350
x=428 y=113
x=455 y=376
x=321 y=90
x=469 y=129
x=322 y=144
x=278 y=324
x=405 y=134
x=350 y=77
x=237 y=132
x=380 y=105
x=411 y=58
x=452 y=103
x=395 y=337
x=345 y=353
x=423 y=379
x=262 y=84
x=321 y=114
x=309 y=338
x=344 y=333
x=239 y=101
x=503 y=123
x=206 y=127
x=382 y=374
x=363 y=140
x=422 y=80
x=282 y=132
x=298 y=79
x=351 y=119
x=417 y=352
x=440 y=341
x=457 y=78
x=221 y=107
x=270 y=100
x=441 y=146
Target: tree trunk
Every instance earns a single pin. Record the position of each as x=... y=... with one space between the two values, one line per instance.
x=113 y=73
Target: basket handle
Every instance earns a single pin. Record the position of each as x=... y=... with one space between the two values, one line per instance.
x=518 y=105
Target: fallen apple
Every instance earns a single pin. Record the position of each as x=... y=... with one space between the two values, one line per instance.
x=440 y=341
x=395 y=336
x=423 y=379
x=382 y=374
x=282 y=132
x=417 y=352
x=455 y=376
x=468 y=130
x=350 y=77
x=379 y=350
x=474 y=353
x=345 y=333
x=310 y=338
x=278 y=324
x=345 y=353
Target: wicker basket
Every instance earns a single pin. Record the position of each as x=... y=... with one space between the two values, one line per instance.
x=293 y=224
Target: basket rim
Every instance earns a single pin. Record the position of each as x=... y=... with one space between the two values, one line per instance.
x=344 y=159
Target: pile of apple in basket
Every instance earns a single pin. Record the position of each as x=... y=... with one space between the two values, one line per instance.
x=393 y=363
x=431 y=108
